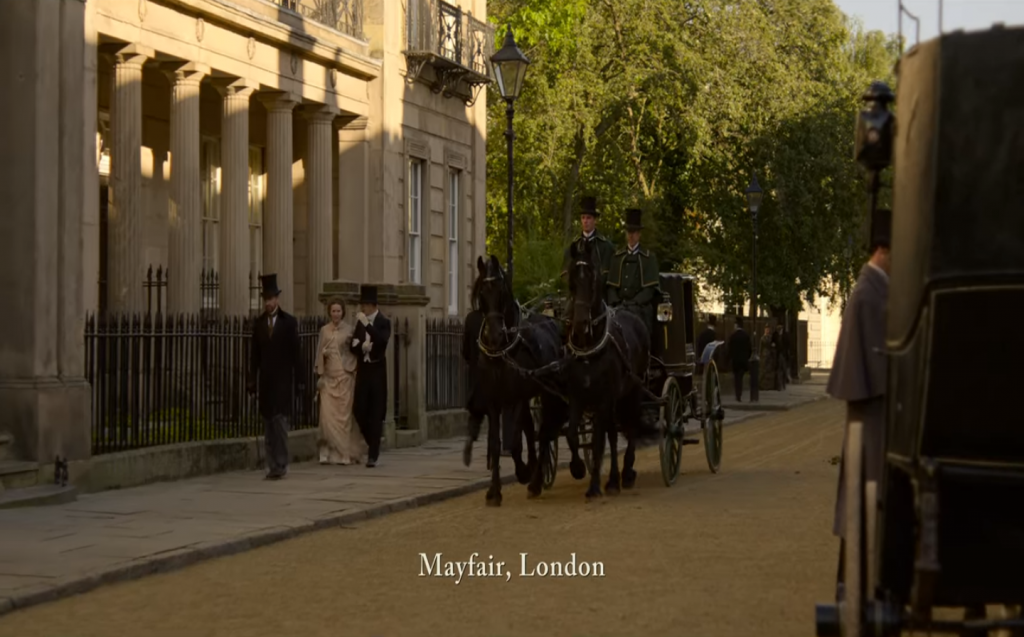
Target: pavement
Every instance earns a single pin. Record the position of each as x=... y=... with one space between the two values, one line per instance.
x=51 y=552
x=793 y=396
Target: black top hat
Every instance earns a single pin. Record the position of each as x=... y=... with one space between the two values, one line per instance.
x=881 y=229
x=633 y=216
x=270 y=288
x=368 y=294
x=588 y=206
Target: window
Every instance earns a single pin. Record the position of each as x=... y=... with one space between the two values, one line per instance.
x=415 y=250
x=453 y=242
x=210 y=175
x=256 y=197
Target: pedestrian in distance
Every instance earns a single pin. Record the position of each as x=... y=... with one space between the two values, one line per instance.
x=340 y=440
x=276 y=371
x=739 y=356
x=370 y=344
x=471 y=354
x=859 y=368
x=705 y=338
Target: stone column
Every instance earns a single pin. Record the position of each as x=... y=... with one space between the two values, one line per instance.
x=43 y=391
x=234 y=203
x=185 y=205
x=126 y=269
x=278 y=220
x=353 y=199
x=320 y=153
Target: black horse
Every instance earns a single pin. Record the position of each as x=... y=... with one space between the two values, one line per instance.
x=513 y=343
x=609 y=354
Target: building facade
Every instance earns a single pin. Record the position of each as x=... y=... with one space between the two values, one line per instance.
x=215 y=140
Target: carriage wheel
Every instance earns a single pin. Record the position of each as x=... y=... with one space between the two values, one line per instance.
x=552 y=468
x=538 y=422
x=586 y=437
x=711 y=412
x=671 y=445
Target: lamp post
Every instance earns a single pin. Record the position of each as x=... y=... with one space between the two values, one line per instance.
x=754 y=194
x=508 y=66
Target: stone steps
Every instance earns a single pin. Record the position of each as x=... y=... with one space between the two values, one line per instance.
x=17 y=474
x=40 y=495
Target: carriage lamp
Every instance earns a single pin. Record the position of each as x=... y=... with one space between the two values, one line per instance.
x=875 y=127
x=508 y=66
x=665 y=309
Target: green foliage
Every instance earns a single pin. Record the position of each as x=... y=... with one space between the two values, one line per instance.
x=669 y=105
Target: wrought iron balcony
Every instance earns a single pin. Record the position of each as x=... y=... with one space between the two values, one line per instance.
x=451 y=42
x=342 y=15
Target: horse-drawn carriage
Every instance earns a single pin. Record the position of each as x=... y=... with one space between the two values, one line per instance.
x=682 y=385
x=944 y=528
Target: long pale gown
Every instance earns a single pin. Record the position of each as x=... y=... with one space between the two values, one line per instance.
x=341 y=441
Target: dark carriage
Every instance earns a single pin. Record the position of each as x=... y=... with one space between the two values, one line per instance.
x=685 y=381
x=945 y=528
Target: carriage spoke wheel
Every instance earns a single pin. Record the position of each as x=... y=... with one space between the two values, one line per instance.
x=538 y=421
x=671 y=445
x=711 y=410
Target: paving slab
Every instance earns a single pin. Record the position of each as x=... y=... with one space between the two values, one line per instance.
x=54 y=551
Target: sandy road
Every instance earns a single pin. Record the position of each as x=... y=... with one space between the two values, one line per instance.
x=747 y=551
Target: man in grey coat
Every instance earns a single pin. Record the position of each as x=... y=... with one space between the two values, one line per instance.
x=859 y=367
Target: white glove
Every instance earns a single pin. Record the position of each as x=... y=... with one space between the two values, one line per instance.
x=367 y=346
x=362 y=319
x=355 y=342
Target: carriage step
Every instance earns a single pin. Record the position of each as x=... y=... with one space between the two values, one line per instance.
x=691 y=441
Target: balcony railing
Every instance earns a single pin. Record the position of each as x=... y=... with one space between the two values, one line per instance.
x=451 y=41
x=342 y=15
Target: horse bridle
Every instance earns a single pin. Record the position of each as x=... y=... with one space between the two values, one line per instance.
x=605 y=315
x=505 y=329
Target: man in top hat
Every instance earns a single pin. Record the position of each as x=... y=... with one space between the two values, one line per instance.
x=369 y=344
x=605 y=248
x=633 y=275
x=705 y=338
x=859 y=368
x=276 y=367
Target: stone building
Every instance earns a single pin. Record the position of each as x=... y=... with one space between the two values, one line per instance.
x=327 y=141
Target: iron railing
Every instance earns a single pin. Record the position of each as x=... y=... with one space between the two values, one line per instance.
x=447 y=381
x=445 y=30
x=345 y=16
x=155 y=285
x=160 y=380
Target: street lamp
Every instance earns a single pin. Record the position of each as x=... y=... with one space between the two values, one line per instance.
x=754 y=194
x=508 y=66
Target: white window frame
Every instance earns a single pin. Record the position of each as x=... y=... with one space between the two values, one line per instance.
x=210 y=175
x=257 y=196
x=454 y=219
x=414 y=221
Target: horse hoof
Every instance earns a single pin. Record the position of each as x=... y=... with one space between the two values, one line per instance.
x=523 y=474
x=532 y=492
x=611 y=489
x=594 y=494
x=493 y=500
x=628 y=479
x=577 y=469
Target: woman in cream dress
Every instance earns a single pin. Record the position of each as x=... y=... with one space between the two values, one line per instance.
x=341 y=441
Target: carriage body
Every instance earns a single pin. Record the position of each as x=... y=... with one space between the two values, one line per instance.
x=950 y=526
x=957 y=254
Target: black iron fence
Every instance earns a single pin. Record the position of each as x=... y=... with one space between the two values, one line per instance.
x=155 y=285
x=446 y=372
x=160 y=380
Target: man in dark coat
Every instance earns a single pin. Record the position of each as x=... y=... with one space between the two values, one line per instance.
x=633 y=275
x=859 y=367
x=605 y=248
x=739 y=356
x=276 y=366
x=705 y=338
x=370 y=344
